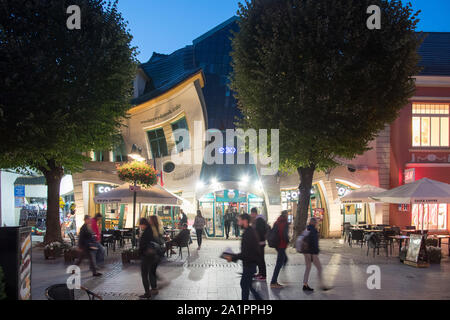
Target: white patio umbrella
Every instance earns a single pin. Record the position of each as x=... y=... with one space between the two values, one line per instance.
x=153 y=195
x=423 y=191
x=362 y=195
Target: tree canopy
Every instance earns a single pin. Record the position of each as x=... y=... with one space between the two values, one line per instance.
x=314 y=70
x=62 y=92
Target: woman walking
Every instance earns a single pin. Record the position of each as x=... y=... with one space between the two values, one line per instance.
x=281 y=226
x=149 y=255
x=311 y=254
x=199 y=225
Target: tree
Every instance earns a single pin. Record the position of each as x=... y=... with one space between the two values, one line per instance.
x=313 y=69
x=62 y=92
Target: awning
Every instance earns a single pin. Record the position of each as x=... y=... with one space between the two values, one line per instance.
x=154 y=195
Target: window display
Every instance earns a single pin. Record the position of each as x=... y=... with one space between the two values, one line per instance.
x=434 y=216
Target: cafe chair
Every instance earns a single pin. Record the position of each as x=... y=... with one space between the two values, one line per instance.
x=61 y=292
x=346 y=231
x=72 y=239
x=358 y=236
x=376 y=241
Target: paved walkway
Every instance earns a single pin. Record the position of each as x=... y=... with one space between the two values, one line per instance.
x=204 y=276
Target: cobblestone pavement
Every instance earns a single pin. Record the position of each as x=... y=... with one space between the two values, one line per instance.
x=205 y=276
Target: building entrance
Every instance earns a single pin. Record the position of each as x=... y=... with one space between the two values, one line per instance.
x=214 y=206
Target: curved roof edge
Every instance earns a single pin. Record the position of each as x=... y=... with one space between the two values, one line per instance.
x=214 y=30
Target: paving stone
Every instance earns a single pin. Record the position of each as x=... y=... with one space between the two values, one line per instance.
x=205 y=276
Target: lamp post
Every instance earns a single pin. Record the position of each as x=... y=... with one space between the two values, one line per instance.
x=135 y=155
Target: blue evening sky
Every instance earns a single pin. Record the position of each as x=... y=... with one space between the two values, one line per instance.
x=167 y=25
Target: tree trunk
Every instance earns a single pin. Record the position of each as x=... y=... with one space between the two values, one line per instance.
x=53 y=176
x=301 y=217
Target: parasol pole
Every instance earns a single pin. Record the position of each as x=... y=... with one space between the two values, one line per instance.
x=133 y=241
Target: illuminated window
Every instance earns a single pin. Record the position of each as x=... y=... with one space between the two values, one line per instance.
x=179 y=139
x=434 y=216
x=430 y=125
x=158 y=143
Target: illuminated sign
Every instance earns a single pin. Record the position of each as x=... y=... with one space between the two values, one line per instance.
x=410 y=175
x=227 y=150
x=103 y=188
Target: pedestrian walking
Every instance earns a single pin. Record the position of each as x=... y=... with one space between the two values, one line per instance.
x=199 y=225
x=100 y=253
x=87 y=245
x=227 y=219
x=234 y=219
x=281 y=231
x=261 y=229
x=250 y=256
x=150 y=258
x=311 y=254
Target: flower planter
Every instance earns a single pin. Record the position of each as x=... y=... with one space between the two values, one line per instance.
x=71 y=254
x=52 y=253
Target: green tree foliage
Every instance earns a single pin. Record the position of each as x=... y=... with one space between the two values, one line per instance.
x=62 y=92
x=314 y=70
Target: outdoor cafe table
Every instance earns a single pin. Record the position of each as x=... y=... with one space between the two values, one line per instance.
x=400 y=240
x=440 y=237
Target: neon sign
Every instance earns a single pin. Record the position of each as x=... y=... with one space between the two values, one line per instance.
x=227 y=150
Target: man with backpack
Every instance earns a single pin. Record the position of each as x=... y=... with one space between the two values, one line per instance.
x=279 y=239
x=261 y=228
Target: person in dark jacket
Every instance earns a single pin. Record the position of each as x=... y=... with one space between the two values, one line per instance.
x=234 y=220
x=250 y=256
x=149 y=259
x=184 y=218
x=180 y=239
x=261 y=228
x=87 y=245
x=282 y=227
x=312 y=255
x=227 y=219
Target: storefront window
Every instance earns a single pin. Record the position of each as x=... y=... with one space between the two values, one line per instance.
x=158 y=144
x=181 y=144
x=429 y=216
x=120 y=153
x=430 y=125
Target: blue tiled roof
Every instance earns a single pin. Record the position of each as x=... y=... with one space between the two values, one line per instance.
x=167 y=71
x=435 y=54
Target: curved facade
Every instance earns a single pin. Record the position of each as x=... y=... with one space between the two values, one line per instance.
x=188 y=89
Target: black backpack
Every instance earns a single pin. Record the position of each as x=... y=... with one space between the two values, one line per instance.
x=273 y=238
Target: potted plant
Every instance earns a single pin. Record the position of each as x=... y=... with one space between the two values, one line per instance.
x=139 y=173
x=54 y=250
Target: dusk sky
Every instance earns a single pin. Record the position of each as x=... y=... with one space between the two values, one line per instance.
x=167 y=25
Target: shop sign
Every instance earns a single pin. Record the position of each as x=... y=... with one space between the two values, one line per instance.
x=19 y=191
x=410 y=175
x=292 y=195
x=135 y=188
x=19 y=202
x=318 y=213
x=227 y=150
x=103 y=188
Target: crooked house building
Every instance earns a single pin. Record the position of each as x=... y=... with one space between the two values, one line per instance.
x=188 y=89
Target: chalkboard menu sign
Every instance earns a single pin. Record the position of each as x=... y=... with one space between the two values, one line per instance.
x=416 y=251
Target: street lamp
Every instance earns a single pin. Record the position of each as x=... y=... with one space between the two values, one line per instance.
x=135 y=155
